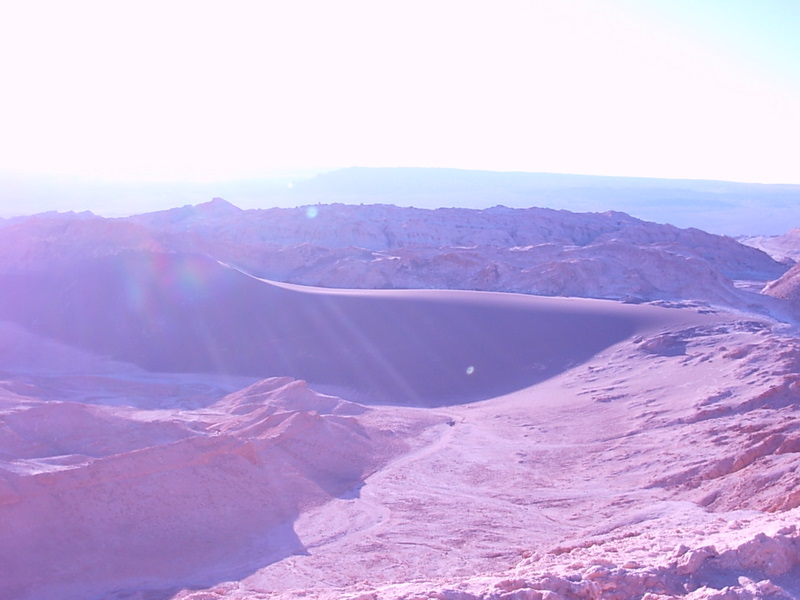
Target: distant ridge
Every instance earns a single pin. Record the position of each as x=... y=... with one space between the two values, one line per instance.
x=379 y=246
x=428 y=180
x=721 y=207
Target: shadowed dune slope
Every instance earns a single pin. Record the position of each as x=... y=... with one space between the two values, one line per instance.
x=179 y=313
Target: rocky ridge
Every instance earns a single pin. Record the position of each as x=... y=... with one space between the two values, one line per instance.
x=533 y=251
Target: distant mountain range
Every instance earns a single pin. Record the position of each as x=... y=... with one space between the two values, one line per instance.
x=716 y=206
x=378 y=246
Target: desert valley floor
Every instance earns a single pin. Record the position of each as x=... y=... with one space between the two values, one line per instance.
x=260 y=440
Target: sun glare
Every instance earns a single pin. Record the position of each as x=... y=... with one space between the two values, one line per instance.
x=204 y=93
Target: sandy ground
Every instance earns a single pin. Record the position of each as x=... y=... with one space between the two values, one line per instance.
x=644 y=467
x=571 y=463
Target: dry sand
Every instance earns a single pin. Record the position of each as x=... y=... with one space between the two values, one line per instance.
x=486 y=446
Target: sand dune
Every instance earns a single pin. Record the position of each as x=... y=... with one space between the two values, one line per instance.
x=178 y=313
x=166 y=444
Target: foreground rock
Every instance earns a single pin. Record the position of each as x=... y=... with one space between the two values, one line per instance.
x=96 y=499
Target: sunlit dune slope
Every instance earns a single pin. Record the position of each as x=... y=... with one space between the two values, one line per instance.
x=179 y=313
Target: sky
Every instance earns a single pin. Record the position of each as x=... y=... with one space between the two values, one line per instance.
x=174 y=90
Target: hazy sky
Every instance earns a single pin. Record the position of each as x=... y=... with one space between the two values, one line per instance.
x=202 y=90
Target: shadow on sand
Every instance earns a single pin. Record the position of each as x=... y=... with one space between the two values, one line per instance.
x=178 y=313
